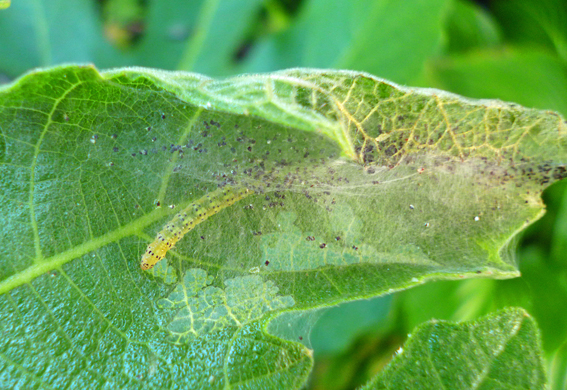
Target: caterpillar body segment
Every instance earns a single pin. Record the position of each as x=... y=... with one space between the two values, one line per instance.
x=187 y=219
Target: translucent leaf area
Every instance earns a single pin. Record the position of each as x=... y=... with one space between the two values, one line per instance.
x=501 y=351
x=357 y=187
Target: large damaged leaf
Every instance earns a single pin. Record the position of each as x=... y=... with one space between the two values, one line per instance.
x=356 y=187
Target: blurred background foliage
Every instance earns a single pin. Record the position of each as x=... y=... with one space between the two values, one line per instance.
x=513 y=50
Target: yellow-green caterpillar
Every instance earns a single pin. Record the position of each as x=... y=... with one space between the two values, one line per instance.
x=187 y=219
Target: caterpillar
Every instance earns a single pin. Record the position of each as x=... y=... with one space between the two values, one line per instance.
x=187 y=219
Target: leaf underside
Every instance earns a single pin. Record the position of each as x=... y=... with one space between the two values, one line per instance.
x=361 y=187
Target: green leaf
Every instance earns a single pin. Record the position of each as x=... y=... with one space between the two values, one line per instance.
x=501 y=351
x=546 y=281
x=177 y=34
x=495 y=74
x=361 y=188
x=542 y=22
x=470 y=26
x=559 y=238
x=461 y=300
x=201 y=36
x=359 y=36
x=340 y=326
x=530 y=77
x=558 y=369
x=43 y=33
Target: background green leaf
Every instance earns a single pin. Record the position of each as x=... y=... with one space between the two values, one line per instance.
x=42 y=33
x=483 y=354
x=499 y=74
x=535 y=22
x=361 y=38
x=470 y=27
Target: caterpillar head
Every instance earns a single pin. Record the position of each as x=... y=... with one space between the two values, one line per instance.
x=145 y=266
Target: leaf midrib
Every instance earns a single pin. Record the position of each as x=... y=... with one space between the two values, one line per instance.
x=59 y=259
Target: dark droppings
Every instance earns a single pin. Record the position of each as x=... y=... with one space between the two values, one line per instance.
x=239 y=155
